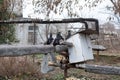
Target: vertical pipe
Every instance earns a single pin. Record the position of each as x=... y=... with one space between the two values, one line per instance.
x=66 y=65
x=65 y=72
x=34 y=39
x=34 y=42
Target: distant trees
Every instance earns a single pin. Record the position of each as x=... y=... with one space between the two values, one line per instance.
x=109 y=37
x=6 y=31
x=70 y=7
x=116 y=9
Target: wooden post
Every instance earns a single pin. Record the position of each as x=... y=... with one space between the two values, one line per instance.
x=97 y=55
x=97 y=50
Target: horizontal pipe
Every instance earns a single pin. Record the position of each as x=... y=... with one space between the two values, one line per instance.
x=12 y=50
x=39 y=21
x=109 y=70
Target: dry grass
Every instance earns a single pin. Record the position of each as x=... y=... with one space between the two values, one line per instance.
x=11 y=67
x=23 y=68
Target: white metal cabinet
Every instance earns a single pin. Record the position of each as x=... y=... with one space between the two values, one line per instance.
x=81 y=50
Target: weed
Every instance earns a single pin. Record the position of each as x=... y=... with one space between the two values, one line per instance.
x=18 y=67
x=58 y=77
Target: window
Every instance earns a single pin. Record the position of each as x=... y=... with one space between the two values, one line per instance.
x=31 y=28
x=32 y=34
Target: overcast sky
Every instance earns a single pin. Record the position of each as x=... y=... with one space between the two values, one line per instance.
x=99 y=12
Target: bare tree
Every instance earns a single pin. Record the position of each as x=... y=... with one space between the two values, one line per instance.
x=58 y=6
x=116 y=7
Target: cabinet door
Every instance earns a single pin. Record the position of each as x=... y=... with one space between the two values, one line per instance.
x=81 y=50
